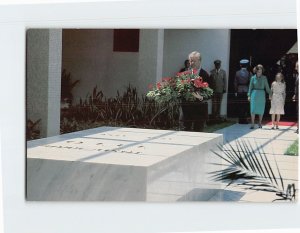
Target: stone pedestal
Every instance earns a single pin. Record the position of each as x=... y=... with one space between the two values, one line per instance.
x=122 y=164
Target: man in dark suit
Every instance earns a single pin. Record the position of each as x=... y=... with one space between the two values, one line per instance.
x=195 y=114
x=241 y=83
x=218 y=78
x=195 y=63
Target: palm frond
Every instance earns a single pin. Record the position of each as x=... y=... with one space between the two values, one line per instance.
x=250 y=168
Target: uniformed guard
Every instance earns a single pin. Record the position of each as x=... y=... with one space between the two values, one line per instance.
x=241 y=84
x=218 y=77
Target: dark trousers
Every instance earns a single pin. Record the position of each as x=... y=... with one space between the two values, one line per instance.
x=297 y=111
x=242 y=107
x=193 y=116
x=216 y=104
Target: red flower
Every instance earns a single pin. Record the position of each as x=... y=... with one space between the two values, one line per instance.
x=187 y=72
x=198 y=82
x=195 y=71
x=150 y=86
x=205 y=84
x=188 y=80
x=167 y=79
x=158 y=85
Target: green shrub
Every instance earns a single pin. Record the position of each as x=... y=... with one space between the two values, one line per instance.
x=126 y=110
x=293 y=149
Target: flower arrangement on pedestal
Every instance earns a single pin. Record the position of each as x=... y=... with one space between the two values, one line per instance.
x=186 y=86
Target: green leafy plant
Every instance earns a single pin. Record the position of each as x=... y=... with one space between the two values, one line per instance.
x=68 y=126
x=251 y=169
x=72 y=125
x=67 y=86
x=32 y=129
x=127 y=109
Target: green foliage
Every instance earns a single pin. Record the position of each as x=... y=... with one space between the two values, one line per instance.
x=68 y=126
x=127 y=109
x=67 y=86
x=214 y=127
x=32 y=129
x=293 y=149
x=72 y=125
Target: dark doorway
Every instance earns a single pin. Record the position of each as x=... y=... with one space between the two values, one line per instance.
x=266 y=47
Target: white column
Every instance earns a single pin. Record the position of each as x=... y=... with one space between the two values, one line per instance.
x=54 y=81
x=223 y=110
x=160 y=54
x=44 y=50
x=150 y=58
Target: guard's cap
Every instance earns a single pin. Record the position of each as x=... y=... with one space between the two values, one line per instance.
x=217 y=62
x=244 y=61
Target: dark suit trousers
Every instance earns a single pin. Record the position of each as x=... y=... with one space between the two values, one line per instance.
x=194 y=116
x=242 y=107
x=216 y=104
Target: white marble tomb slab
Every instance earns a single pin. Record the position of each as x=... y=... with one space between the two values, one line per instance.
x=122 y=164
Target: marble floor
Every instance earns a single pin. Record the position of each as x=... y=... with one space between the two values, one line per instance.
x=274 y=143
x=123 y=164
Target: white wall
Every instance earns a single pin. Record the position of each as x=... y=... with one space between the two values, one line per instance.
x=211 y=43
x=88 y=55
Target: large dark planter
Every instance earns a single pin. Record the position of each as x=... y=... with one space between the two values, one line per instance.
x=194 y=115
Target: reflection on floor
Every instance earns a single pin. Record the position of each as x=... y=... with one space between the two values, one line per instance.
x=219 y=195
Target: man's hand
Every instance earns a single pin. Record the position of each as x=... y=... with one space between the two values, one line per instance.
x=249 y=98
x=294 y=98
x=197 y=95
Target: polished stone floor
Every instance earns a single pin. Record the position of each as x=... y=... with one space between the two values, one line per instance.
x=274 y=143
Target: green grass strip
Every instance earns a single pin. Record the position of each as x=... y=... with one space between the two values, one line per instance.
x=293 y=149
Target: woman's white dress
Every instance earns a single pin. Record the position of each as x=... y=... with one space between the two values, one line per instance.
x=278 y=98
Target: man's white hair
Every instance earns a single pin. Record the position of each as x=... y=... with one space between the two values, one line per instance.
x=195 y=54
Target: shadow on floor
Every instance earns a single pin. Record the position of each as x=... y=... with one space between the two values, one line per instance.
x=212 y=195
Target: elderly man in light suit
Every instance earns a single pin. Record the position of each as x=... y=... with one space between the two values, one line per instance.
x=218 y=79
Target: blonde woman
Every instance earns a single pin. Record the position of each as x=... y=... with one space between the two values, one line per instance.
x=278 y=94
x=256 y=94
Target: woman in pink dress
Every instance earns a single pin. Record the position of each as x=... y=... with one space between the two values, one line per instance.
x=278 y=94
